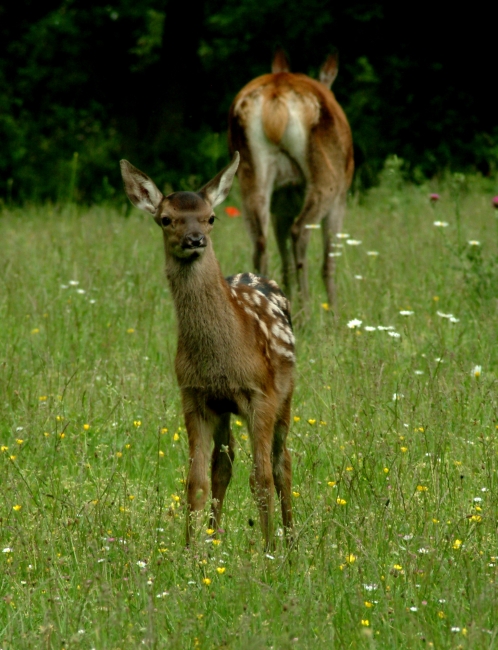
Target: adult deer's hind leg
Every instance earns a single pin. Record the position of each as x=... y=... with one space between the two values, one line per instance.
x=221 y=467
x=331 y=225
x=285 y=205
x=256 y=185
x=312 y=213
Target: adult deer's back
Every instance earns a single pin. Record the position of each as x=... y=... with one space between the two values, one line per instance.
x=290 y=131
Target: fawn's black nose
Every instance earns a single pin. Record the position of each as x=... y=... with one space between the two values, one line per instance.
x=194 y=240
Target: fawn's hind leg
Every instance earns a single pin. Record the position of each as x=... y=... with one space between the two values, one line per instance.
x=261 y=426
x=281 y=465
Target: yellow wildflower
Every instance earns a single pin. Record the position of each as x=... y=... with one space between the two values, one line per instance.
x=16 y=507
x=137 y=423
x=351 y=559
x=457 y=544
x=297 y=418
x=176 y=437
x=311 y=421
x=161 y=454
x=86 y=427
x=206 y=581
x=341 y=502
x=365 y=622
x=422 y=488
x=221 y=570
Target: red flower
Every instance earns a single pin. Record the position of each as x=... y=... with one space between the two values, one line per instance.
x=494 y=202
x=232 y=211
x=434 y=198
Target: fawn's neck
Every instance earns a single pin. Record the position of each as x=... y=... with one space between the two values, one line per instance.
x=207 y=326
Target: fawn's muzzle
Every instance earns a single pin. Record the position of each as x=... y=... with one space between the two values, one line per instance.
x=194 y=240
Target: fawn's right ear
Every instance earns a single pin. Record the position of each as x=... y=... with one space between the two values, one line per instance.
x=140 y=189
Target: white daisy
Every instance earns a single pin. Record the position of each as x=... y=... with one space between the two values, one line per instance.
x=355 y=322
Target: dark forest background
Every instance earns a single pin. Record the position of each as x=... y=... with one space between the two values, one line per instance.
x=84 y=84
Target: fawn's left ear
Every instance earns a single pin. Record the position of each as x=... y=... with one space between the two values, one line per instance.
x=216 y=191
x=140 y=189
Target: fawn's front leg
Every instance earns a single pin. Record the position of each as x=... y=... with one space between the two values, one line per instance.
x=200 y=431
x=221 y=467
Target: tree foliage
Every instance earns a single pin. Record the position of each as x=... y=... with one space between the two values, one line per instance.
x=152 y=80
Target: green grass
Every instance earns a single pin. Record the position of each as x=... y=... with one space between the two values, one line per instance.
x=395 y=499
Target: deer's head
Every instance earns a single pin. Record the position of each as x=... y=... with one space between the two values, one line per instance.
x=186 y=218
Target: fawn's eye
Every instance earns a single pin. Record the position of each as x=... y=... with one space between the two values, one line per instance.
x=165 y=221
x=211 y=219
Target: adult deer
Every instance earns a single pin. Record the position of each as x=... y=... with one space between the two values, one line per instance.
x=235 y=351
x=290 y=130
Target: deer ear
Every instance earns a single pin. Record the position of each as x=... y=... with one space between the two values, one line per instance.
x=328 y=71
x=140 y=189
x=216 y=191
x=280 y=62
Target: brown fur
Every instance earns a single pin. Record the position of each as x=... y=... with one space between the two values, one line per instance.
x=324 y=167
x=228 y=359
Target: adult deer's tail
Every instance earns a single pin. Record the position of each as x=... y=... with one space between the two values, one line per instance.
x=275 y=116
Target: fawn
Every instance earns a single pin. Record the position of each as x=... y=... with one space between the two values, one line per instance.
x=292 y=133
x=235 y=352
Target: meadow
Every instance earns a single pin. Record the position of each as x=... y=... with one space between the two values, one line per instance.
x=393 y=439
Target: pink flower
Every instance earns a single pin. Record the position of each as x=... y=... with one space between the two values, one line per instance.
x=494 y=202
x=231 y=211
x=434 y=198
